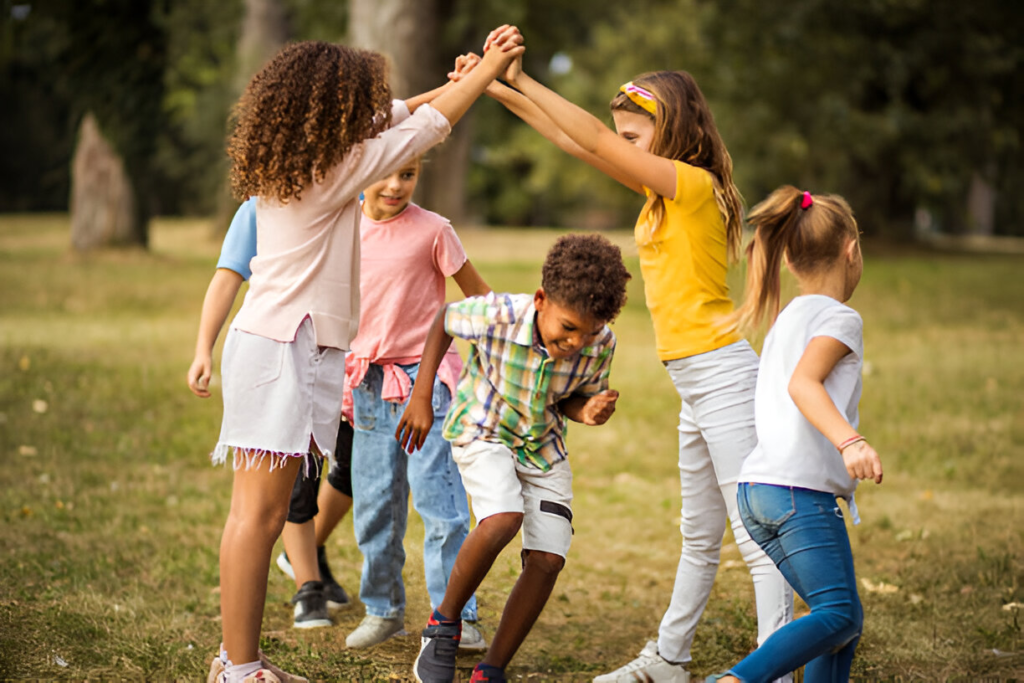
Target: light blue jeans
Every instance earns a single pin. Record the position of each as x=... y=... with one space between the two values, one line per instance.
x=804 y=534
x=382 y=476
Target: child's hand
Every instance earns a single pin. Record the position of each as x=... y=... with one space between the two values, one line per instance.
x=199 y=376
x=862 y=462
x=599 y=408
x=415 y=424
x=463 y=65
x=503 y=44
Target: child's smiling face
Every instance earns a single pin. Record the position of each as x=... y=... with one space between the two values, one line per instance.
x=387 y=198
x=563 y=330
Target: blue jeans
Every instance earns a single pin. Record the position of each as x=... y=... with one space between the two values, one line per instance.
x=382 y=476
x=804 y=534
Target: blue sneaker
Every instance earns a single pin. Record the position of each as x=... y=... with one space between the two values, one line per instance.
x=438 y=647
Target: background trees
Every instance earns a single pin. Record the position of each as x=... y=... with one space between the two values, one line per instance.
x=912 y=110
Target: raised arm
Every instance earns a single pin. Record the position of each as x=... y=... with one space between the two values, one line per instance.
x=807 y=389
x=633 y=166
x=418 y=417
x=506 y=45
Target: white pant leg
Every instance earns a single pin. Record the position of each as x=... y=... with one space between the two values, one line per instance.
x=703 y=525
x=718 y=389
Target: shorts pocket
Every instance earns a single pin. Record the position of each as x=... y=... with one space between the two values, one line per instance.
x=265 y=360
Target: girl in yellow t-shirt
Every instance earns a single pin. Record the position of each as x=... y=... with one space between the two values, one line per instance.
x=667 y=148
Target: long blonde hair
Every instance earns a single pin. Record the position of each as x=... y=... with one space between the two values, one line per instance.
x=810 y=231
x=684 y=130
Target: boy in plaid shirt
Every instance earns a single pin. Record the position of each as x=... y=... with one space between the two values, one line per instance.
x=534 y=361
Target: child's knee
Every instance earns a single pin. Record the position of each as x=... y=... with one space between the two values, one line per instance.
x=502 y=527
x=546 y=563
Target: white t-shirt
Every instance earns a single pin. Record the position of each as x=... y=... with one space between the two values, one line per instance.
x=790 y=450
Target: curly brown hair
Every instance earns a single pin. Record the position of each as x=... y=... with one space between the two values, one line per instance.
x=302 y=113
x=586 y=274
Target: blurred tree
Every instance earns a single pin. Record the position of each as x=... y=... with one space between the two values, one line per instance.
x=114 y=62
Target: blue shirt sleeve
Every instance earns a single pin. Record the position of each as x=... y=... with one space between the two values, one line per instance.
x=240 y=243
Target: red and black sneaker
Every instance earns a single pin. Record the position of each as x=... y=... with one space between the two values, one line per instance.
x=438 y=646
x=487 y=674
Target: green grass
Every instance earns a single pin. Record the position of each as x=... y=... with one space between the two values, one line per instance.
x=111 y=513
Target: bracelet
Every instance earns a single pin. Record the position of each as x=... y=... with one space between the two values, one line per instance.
x=849 y=442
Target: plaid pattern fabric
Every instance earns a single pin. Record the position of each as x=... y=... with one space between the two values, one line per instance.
x=510 y=388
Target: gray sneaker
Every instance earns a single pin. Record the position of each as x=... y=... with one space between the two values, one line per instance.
x=472 y=639
x=374 y=630
x=649 y=666
x=311 y=606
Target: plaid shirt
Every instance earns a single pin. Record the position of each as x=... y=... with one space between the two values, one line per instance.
x=510 y=388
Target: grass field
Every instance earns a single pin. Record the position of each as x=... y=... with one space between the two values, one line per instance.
x=111 y=513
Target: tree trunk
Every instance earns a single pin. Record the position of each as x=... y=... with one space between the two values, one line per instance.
x=981 y=205
x=264 y=31
x=409 y=33
x=104 y=207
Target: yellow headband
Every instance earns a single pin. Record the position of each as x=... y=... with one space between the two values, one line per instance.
x=641 y=98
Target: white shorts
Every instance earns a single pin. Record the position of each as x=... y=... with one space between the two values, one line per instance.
x=497 y=482
x=277 y=395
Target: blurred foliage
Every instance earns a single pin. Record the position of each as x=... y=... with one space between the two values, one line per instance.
x=896 y=104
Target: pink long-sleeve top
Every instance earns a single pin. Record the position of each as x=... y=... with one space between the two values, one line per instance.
x=307 y=261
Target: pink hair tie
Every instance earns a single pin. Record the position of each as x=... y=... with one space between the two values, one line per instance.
x=808 y=200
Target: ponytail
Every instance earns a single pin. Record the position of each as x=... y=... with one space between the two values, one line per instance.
x=810 y=231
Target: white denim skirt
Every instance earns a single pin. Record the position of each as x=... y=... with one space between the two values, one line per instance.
x=279 y=398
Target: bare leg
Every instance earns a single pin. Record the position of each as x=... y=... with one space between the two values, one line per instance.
x=524 y=605
x=299 y=543
x=334 y=505
x=481 y=547
x=259 y=506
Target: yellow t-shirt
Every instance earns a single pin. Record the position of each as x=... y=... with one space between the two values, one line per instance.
x=684 y=262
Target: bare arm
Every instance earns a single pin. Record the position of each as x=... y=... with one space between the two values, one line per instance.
x=220 y=296
x=470 y=281
x=521 y=106
x=807 y=389
x=456 y=100
x=418 y=417
x=415 y=102
x=634 y=165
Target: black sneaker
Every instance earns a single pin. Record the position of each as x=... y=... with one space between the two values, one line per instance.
x=438 y=647
x=311 y=606
x=336 y=596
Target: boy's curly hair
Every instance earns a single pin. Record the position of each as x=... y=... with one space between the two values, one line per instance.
x=302 y=113
x=586 y=273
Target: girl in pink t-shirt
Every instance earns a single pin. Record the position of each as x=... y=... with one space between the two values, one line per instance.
x=407 y=254
x=311 y=131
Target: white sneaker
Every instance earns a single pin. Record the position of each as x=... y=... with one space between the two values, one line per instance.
x=217 y=668
x=374 y=630
x=649 y=666
x=285 y=565
x=472 y=640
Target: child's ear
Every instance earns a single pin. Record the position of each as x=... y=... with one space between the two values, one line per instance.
x=851 y=250
x=539 y=299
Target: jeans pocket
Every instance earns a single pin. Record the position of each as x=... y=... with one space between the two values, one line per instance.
x=442 y=398
x=364 y=407
x=771 y=505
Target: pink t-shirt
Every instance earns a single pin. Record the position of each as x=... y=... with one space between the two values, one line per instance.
x=402 y=284
x=308 y=260
x=405 y=261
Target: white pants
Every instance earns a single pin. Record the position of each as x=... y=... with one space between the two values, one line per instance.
x=716 y=433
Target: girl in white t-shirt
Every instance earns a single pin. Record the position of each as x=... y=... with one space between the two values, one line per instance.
x=805 y=410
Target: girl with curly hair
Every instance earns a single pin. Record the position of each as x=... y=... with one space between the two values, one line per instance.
x=311 y=131
x=667 y=149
